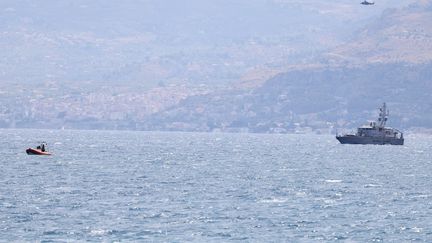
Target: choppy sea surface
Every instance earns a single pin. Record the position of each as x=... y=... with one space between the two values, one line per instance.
x=190 y=187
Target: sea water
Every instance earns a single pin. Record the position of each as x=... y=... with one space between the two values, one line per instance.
x=191 y=187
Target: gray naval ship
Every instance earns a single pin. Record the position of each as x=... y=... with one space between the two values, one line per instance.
x=374 y=132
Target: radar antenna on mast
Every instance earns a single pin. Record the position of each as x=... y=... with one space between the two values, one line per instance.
x=383 y=115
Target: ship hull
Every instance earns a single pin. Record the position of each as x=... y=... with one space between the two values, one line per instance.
x=369 y=140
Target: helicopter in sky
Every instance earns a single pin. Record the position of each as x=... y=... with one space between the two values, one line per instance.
x=365 y=2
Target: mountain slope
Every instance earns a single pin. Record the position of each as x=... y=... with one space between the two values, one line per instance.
x=389 y=61
x=318 y=99
x=97 y=80
x=400 y=35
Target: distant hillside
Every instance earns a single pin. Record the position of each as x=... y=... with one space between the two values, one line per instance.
x=400 y=35
x=390 y=60
x=315 y=100
x=261 y=70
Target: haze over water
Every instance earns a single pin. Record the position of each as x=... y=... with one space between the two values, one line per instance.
x=177 y=187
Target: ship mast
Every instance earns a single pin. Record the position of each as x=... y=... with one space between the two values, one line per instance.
x=383 y=115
